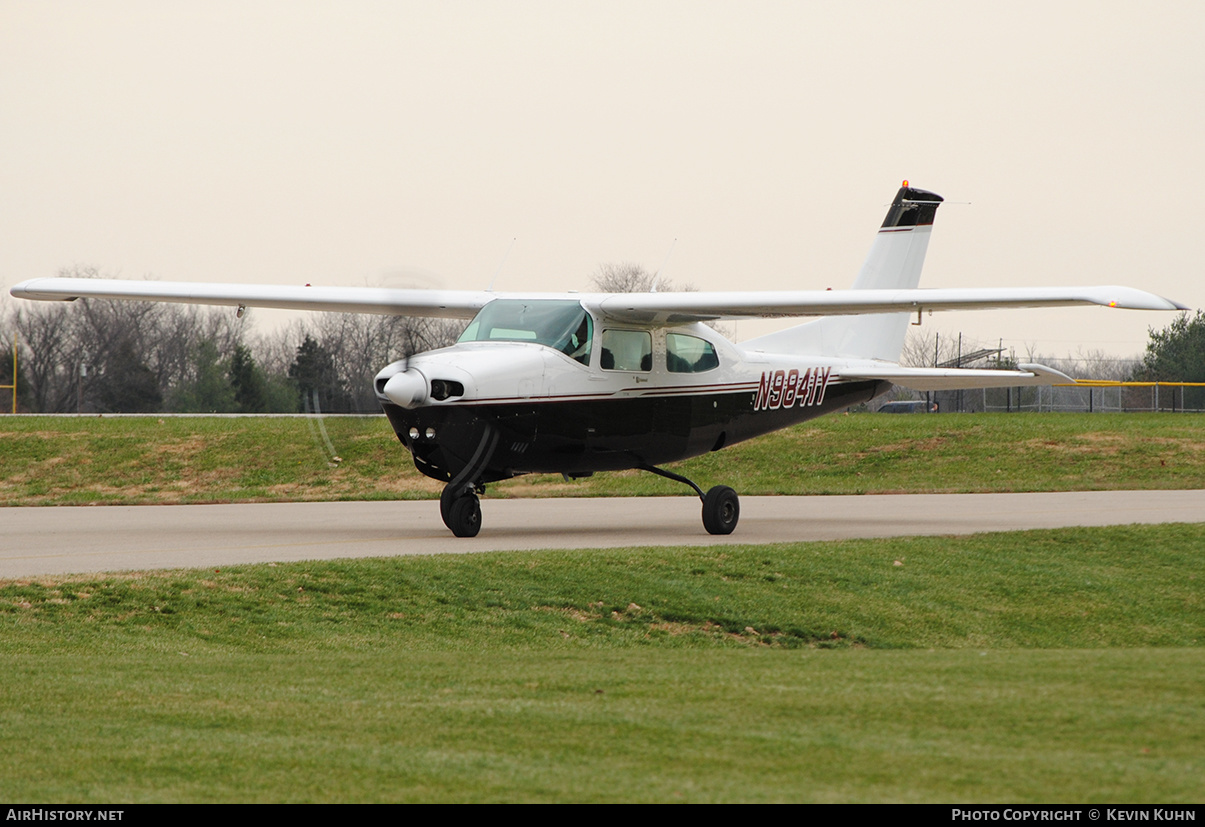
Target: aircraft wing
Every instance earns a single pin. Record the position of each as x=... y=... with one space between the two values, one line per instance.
x=680 y=308
x=451 y=304
x=646 y=308
x=948 y=379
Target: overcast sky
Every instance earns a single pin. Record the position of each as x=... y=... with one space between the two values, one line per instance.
x=407 y=143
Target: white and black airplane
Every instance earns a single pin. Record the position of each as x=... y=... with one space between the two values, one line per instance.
x=574 y=383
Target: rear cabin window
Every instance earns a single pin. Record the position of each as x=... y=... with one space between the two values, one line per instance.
x=689 y=354
x=627 y=350
x=560 y=325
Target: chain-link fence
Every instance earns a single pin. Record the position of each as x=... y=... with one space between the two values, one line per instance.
x=1090 y=397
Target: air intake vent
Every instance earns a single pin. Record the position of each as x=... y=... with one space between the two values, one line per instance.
x=442 y=389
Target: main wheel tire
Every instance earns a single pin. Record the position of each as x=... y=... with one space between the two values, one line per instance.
x=464 y=517
x=721 y=510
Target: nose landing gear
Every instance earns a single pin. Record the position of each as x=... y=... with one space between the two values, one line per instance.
x=458 y=503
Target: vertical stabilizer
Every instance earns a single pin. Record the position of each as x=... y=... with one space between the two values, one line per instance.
x=894 y=261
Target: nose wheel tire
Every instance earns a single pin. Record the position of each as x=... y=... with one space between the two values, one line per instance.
x=446 y=498
x=463 y=516
x=721 y=510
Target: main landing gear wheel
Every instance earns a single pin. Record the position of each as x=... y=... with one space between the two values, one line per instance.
x=721 y=510
x=721 y=506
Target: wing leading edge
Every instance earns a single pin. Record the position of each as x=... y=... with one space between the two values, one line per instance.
x=674 y=308
x=641 y=308
x=452 y=304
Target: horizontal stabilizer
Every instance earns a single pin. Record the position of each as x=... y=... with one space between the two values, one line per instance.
x=951 y=379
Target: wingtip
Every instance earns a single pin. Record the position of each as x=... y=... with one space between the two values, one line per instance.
x=1131 y=298
x=30 y=289
x=1166 y=304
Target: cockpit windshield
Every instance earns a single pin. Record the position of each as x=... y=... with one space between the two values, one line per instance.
x=561 y=325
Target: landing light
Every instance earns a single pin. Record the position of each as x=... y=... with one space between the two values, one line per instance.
x=430 y=433
x=414 y=433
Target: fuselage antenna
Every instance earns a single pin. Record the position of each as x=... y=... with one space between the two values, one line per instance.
x=505 y=256
x=661 y=269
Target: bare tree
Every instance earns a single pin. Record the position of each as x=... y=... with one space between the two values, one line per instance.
x=361 y=345
x=1088 y=364
x=926 y=348
x=358 y=345
x=49 y=359
x=627 y=277
x=181 y=330
x=95 y=354
x=7 y=331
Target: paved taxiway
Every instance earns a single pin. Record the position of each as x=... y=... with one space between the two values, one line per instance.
x=111 y=538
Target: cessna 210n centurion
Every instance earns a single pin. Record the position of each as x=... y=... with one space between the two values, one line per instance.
x=575 y=383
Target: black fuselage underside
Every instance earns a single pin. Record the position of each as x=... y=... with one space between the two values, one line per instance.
x=580 y=437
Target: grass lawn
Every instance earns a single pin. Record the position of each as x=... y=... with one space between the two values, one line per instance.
x=1046 y=666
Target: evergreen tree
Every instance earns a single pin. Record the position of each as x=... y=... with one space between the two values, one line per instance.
x=208 y=390
x=248 y=381
x=1176 y=353
x=314 y=372
x=127 y=385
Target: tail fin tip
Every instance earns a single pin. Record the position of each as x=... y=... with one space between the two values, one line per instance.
x=912 y=207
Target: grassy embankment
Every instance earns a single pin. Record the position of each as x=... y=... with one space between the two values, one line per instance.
x=64 y=461
x=1045 y=666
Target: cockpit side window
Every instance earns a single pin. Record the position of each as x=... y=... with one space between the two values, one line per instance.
x=689 y=354
x=627 y=350
x=560 y=325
